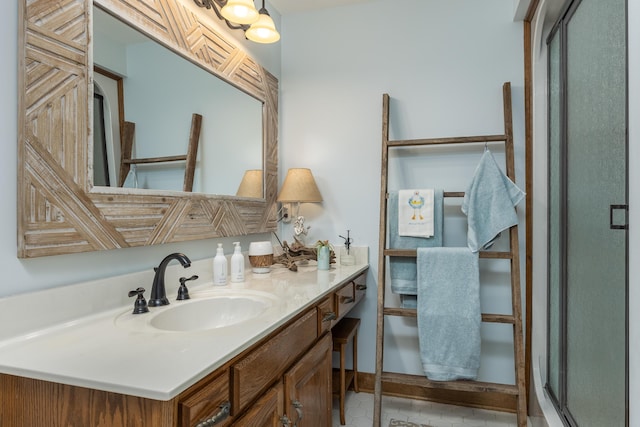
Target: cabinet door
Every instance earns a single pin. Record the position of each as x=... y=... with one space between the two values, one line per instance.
x=308 y=387
x=266 y=412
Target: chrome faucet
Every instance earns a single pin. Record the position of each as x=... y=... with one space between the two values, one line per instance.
x=158 y=292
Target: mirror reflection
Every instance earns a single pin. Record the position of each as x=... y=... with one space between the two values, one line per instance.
x=138 y=81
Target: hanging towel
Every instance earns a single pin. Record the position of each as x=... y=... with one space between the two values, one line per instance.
x=408 y=301
x=449 y=313
x=415 y=213
x=402 y=270
x=489 y=203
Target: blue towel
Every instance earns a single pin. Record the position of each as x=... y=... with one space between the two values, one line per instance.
x=449 y=313
x=402 y=270
x=408 y=301
x=489 y=203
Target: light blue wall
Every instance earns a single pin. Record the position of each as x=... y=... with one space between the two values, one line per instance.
x=443 y=64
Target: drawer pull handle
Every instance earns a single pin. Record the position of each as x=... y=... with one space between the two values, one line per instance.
x=361 y=287
x=223 y=413
x=284 y=420
x=346 y=300
x=329 y=316
x=298 y=407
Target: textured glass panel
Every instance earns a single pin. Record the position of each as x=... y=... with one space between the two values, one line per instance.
x=596 y=153
x=554 y=215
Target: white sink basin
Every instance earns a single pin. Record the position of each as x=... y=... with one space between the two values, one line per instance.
x=210 y=310
x=209 y=313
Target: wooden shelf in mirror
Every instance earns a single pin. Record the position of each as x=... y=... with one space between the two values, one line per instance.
x=59 y=212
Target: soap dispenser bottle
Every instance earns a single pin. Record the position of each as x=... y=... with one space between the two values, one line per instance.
x=219 y=267
x=237 y=264
x=346 y=257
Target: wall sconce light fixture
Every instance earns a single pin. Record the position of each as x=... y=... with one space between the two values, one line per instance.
x=243 y=15
x=298 y=187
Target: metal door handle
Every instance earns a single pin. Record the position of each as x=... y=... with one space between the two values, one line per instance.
x=624 y=226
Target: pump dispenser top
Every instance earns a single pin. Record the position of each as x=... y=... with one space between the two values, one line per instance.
x=219 y=267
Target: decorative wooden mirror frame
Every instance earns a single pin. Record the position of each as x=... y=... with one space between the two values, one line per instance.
x=59 y=211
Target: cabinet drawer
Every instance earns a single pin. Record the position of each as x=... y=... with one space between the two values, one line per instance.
x=206 y=402
x=260 y=368
x=360 y=286
x=345 y=299
x=326 y=316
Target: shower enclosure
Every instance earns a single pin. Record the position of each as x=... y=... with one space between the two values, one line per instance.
x=587 y=241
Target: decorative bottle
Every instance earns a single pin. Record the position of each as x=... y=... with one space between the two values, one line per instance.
x=237 y=264
x=219 y=267
x=322 y=256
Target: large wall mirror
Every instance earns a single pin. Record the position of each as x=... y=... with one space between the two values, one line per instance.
x=70 y=136
x=159 y=91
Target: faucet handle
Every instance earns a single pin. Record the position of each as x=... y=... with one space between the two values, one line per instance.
x=140 y=306
x=183 y=292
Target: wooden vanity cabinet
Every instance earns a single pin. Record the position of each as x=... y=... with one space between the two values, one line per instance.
x=288 y=373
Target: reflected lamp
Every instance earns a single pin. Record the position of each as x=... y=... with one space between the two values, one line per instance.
x=251 y=184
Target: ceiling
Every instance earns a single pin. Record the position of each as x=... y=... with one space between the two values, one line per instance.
x=292 y=6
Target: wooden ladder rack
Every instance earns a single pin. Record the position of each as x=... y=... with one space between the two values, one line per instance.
x=518 y=390
x=128 y=136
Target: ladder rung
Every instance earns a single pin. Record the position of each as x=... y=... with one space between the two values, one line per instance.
x=453 y=194
x=421 y=381
x=413 y=253
x=486 y=317
x=448 y=194
x=442 y=141
x=498 y=318
x=177 y=158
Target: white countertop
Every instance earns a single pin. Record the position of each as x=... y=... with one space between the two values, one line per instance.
x=108 y=349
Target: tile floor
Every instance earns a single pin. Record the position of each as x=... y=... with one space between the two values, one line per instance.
x=359 y=413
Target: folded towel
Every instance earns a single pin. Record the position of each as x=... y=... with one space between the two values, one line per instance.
x=489 y=203
x=449 y=313
x=415 y=213
x=402 y=270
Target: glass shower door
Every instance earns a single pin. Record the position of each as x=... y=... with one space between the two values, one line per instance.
x=596 y=179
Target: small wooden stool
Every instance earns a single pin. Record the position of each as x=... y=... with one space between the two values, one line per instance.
x=343 y=332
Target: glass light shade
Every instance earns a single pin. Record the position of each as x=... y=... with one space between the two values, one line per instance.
x=299 y=186
x=240 y=12
x=251 y=184
x=263 y=30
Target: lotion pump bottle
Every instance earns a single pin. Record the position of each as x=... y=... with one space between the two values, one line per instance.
x=237 y=264
x=219 y=267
